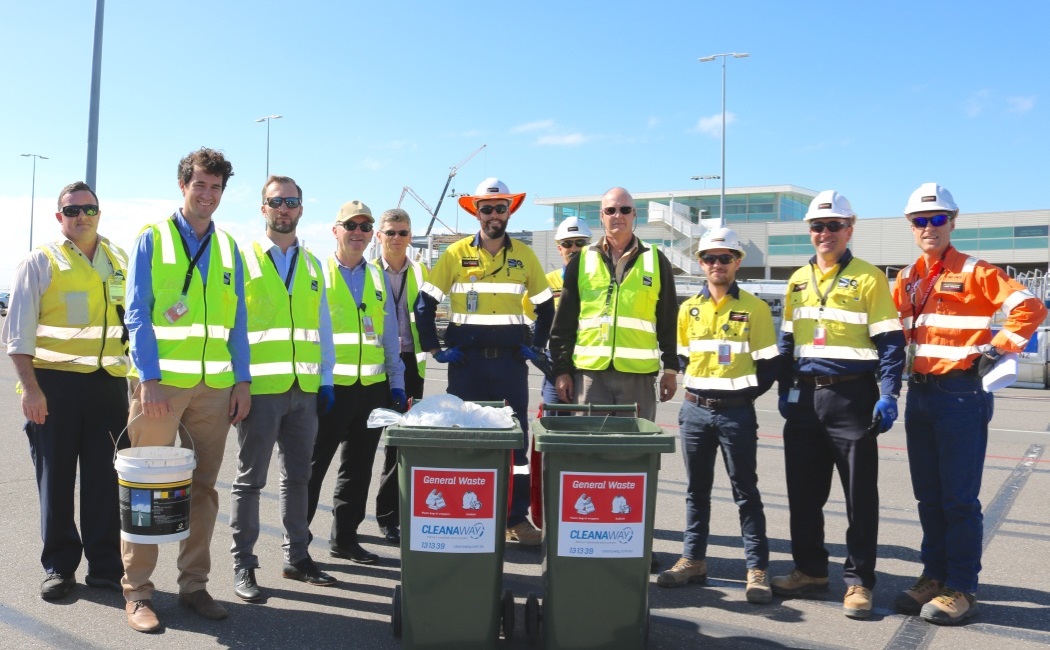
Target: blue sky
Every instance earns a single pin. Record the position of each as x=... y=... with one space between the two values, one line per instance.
x=570 y=98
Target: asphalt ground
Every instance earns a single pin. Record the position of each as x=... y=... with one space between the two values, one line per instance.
x=1014 y=595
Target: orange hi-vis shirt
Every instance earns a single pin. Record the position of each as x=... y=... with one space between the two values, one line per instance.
x=950 y=323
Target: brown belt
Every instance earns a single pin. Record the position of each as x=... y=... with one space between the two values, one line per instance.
x=716 y=403
x=821 y=381
x=920 y=378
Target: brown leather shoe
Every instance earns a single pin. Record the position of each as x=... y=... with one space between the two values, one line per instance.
x=201 y=602
x=141 y=616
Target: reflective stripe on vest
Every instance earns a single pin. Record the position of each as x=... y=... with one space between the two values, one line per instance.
x=355 y=357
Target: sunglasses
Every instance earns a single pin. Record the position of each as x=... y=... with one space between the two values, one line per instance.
x=391 y=233
x=623 y=209
x=725 y=259
x=936 y=221
x=569 y=243
x=291 y=201
x=71 y=211
x=489 y=209
x=832 y=226
x=353 y=225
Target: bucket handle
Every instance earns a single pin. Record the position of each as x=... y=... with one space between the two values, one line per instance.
x=181 y=426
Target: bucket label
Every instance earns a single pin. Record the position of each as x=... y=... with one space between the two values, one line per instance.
x=453 y=510
x=601 y=515
x=154 y=509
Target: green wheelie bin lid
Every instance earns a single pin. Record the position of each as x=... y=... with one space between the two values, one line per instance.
x=600 y=433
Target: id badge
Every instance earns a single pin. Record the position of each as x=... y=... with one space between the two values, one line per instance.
x=176 y=311
x=115 y=289
x=820 y=336
x=724 y=356
x=369 y=328
x=472 y=301
x=793 y=396
x=605 y=322
x=912 y=347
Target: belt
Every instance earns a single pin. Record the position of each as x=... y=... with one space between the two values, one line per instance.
x=716 y=403
x=492 y=353
x=920 y=378
x=820 y=381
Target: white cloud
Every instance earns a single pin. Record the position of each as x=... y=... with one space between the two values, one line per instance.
x=567 y=140
x=1020 y=104
x=975 y=104
x=527 y=127
x=712 y=125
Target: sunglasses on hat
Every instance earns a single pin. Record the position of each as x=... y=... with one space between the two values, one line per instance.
x=489 y=209
x=353 y=225
x=569 y=243
x=623 y=209
x=936 y=221
x=832 y=226
x=73 y=210
x=291 y=201
x=725 y=259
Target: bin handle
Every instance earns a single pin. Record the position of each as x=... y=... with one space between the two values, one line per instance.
x=182 y=426
x=591 y=408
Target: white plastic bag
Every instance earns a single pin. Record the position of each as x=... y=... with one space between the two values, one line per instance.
x=445 y=411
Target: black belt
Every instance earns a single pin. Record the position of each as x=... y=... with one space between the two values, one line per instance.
x=716 y=403
x=820 y=381
x=920 y=378
x=492 y=353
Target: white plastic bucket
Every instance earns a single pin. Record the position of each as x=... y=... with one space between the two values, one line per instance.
x=154 y=484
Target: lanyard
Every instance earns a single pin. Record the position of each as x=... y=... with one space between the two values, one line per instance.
x=499 y=268
x=196 y=258
x=927 y=291
x=834 y=281
x=398 y=294
x=291 y=267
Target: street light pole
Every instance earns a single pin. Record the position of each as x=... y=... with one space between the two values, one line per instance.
x=32 y=194
x=267 y=120
x=705 y=59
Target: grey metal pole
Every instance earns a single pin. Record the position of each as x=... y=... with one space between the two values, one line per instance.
x=267 y=148
x=722 y=198
x=96 y=85
x=32 y=194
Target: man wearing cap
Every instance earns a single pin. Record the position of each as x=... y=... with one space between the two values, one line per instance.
x=368 y=374
x=65 y=336
x=488 y=341
x=843 y=355
x=616 y=321
x=189 y=348
x=290 y=333
x=728 y=336
x=404 y=276
x=946 y=301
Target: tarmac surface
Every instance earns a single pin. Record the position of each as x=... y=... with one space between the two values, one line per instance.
x=1014 y=595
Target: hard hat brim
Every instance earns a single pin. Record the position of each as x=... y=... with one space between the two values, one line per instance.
x=469 y=204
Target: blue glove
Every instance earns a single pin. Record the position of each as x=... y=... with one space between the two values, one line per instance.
x=884 y=415
x=450 y=355
x=325 y=399
x=400 y=399
x=532 y=354
x=782 y=406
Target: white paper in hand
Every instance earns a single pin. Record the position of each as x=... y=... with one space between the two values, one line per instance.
x=1002 y=374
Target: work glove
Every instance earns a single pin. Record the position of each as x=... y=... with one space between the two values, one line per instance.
x=989 y=356
x=883 y=416
x=450 y=355
x=325 y=399
x=400 y=399
x=782 y=406
x=538 y=357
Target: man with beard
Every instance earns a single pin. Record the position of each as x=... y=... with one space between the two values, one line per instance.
x=487 y=341
x=292 y=355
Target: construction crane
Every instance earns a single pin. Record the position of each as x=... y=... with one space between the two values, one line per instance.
x=451 y=174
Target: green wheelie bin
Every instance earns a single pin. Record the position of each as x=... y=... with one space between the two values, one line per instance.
x=600 y=477
x=453 y=487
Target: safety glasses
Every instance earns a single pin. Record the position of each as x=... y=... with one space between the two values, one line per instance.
x=623 y=209
x=291 y=201
x=71 y=211
x=392 y=233
x=489 y=209
x=569 y=243
x=725 y=259
x=936 y=221
x=832 y=226
x=353 y=225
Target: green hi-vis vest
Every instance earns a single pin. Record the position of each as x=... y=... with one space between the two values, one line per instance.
x=79 y=328
x=284 y=331
x=618 y=322
x=417 y=275
x=193 y=348
x=358 y=354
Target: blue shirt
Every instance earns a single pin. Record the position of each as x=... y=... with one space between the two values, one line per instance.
x=355 y=281
x=139 y=315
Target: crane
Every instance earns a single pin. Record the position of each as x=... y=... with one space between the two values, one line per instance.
x=451 y=174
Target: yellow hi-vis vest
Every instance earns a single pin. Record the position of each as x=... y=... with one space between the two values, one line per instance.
x=79 y=328
x=417 y=275
x=284 y=330
x=194 y=346
x=357 y=354
x=618 y=322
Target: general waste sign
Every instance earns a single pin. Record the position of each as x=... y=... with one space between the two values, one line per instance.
x=601 y=515
x=453 y=510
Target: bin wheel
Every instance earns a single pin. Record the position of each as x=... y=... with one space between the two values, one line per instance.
x=395 y=616
x=508 y=614
x=532 y=619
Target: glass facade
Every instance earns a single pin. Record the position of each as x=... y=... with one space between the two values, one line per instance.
x=1001 y=237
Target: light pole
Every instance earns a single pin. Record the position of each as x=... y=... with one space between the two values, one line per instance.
x=705 y=59
x=267 y=120
x=32 y=194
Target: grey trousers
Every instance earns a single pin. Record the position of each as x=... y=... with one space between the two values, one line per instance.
x=289 y=421
x=615 y=387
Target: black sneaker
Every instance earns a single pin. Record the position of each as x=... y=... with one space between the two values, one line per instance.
x=104 y=582
x=56 y=586
x=306 y=571
x=355 y=553
x=245 y=586
x=392 y=535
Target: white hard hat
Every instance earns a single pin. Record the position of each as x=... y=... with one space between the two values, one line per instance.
x=930 y=196
x=720 y=238
x=491 y=188
x=829 y=204
x=572 y=227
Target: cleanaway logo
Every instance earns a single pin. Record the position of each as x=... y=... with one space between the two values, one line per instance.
x=473 y=531
x=623 y=536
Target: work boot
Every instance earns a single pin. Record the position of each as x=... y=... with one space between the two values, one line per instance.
x=923 y=591
x=56 y=586
x=857 y=603
x=525 y=534
x=950 y=607
x=244 y=585
x=683 y=572
x=305 y=570
x=757 y=590
x=799 y=585
x=201 y=602
x=141 y=616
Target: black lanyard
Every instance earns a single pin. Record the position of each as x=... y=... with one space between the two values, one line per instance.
x=404 y=283
x=816 y=285
x=500 y=267
x=291 y=267
x=196 y=258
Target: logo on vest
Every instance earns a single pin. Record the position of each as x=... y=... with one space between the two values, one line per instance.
x=739 y=316
x=225 y=277
x=313 y=285
x=848 y=283
x=800 y=286
x=647 y=280
x=516 y=264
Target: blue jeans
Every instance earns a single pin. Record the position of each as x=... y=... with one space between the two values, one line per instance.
x=947 y=428
x=735 y=431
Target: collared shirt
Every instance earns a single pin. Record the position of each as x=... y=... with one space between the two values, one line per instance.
x=399 y=279
x=620 y=268
x=395 y=368
x=281 y=262
x=31 y=281
x=139 y=315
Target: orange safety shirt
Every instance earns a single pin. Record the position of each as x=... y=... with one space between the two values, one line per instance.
x=949 y=320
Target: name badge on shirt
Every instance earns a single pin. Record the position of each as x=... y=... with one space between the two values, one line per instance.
x=724 y=356
x=115 y=288
x=176 y=311
x=820 y=336
x=604 y=323
x=472 y=301
x=793 y=396
x=368 y=328
x=910 y=359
